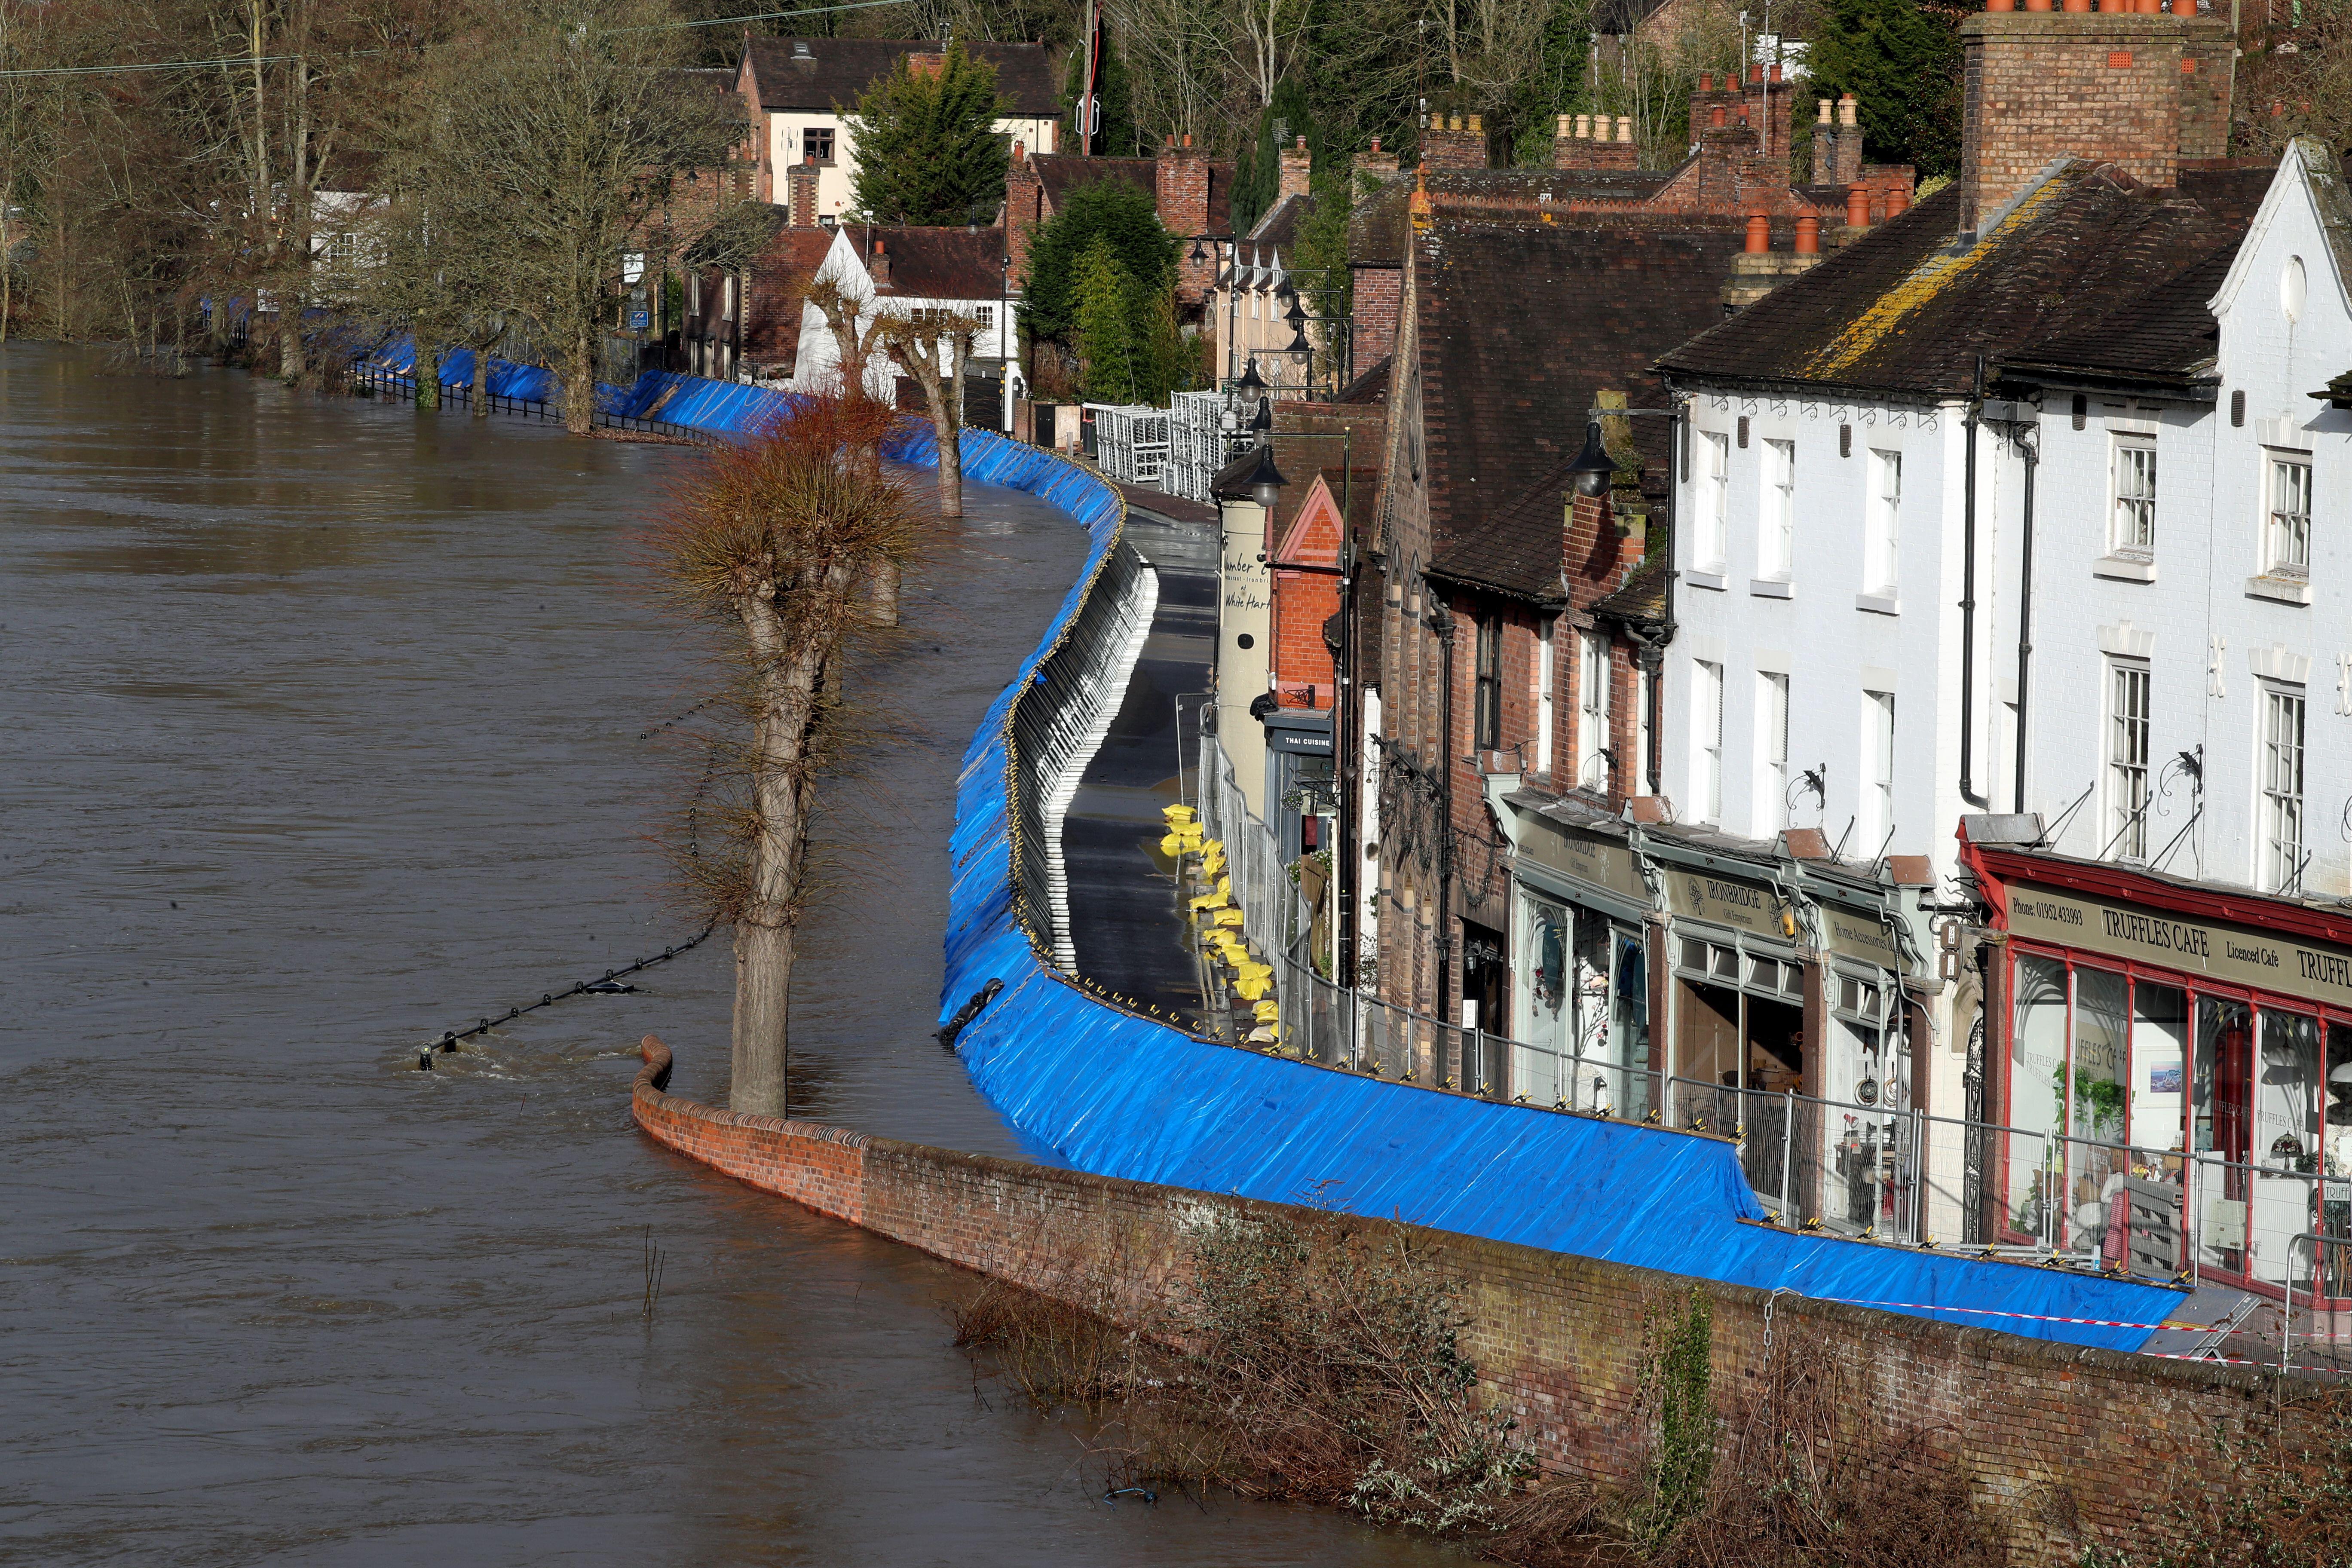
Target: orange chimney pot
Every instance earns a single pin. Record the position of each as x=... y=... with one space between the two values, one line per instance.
x=1809 y=236
x=1857 y=206
x=1759 y=234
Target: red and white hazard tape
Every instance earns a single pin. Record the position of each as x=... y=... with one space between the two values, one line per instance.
x=1996 y=1312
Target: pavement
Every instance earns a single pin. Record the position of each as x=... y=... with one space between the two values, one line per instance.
x=1130 y=935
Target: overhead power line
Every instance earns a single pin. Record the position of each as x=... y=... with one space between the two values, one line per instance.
x=218 y=61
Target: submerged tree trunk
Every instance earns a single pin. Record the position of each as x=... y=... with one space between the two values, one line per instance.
x=579 y=383
x=428 y=373
x=792 y=665
x=949 y=431
x=478 y=405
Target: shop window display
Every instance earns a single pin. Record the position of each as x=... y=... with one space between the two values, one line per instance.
x=2285 y=1155
x=1867 y=1080
x=1548 y=1021
x=2037 y=1069
x=2097 y=1214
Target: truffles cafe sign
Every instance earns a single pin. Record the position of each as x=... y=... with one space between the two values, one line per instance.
x=2239 y=956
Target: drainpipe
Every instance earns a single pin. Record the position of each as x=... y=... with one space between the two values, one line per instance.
x=1439 y=621
x=1968 y=599
x=1346 y=858
x=2031 y=448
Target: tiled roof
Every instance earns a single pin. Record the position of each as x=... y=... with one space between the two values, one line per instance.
x=940 y=263
x=2164 y=335
x=1277 y=229
x=1062 y=173
x=1377 y=227
x=1903 y=311
x=1370 y=386
x=839 y=69
x=1503 y=400
x=1641 y=596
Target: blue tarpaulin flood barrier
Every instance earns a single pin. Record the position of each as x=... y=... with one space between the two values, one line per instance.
x=1102 y=1090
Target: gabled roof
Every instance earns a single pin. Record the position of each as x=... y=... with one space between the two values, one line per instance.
x=938 y=263
x=1520 y=327
x=2165 y=336
x=1356 y=490
x=1062 y=173
x=1378 y=226
x=837 y=72
x=1905 y=312
x=1277 y=226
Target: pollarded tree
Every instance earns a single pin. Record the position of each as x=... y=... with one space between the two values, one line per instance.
x=934 y=346
x=782 y=541
x=928 y=151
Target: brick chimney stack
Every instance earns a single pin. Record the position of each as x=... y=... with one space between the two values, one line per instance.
x=801 y=193
x=2138 y=90
x=1447 y=143
x=1024 y=200
x=1298 y=171
x=1180 y=183
x=1376 y=164
x=1848 y=168
x=877 y=267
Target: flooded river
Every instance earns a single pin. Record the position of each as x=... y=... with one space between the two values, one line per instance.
x=320 y=733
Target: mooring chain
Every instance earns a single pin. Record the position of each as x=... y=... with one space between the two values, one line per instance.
x=612 y=985
x=668 y=723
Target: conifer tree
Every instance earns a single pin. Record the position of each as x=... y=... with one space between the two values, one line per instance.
x=1902 y=60
x=1121 y=215
x=1108 y=349
x=928 y=151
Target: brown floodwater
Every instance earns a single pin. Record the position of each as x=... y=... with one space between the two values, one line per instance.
x=320 y=735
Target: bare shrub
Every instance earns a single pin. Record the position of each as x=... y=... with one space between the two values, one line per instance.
x=2275 y=1493
x=1800 y=1478
x=1053 y=1351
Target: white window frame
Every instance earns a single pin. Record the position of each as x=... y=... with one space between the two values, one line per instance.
x=1878 y=754
x=2286 y=531
x=2131 y=498
x=1776 y=531
x=2283 y=785
x=2130 y=721
x=1882 y=553
x=1646 y=702
x=1707 y=737
x=1593 y=669
x=1713 y=500
x=1545 y=650
x=1772 y=752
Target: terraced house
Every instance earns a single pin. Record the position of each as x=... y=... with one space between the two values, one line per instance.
x=2004 y=600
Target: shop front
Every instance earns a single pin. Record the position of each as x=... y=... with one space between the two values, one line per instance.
x=2175 y=1086
x=1793 y=1031
x=1581 y=921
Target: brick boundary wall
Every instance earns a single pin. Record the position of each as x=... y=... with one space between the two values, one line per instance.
x=2067 y=1446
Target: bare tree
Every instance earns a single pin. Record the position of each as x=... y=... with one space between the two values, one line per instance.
x=842 y=298
x=780 y=541
x=933 y=345
x=571 y=123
